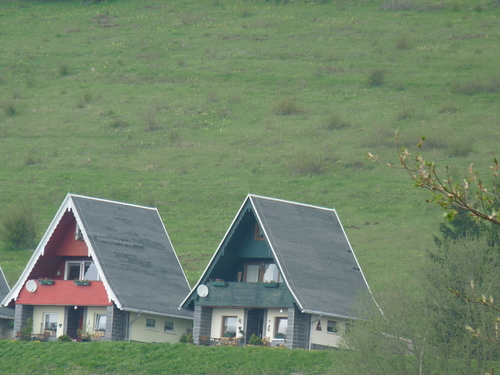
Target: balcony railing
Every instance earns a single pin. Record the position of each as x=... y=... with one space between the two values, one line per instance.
x=257 y=295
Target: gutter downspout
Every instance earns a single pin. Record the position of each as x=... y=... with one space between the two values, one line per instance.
x=311 y=329
x=130 y=324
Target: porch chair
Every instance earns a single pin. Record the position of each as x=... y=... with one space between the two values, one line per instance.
x=203 y=340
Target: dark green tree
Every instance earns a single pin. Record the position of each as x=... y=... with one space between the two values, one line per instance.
x=453 y=334
x=423 y=330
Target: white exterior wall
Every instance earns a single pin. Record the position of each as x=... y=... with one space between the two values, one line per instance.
x=218 y=313
x=324 y=337
x=271 y=321
x=38 y=316
x=139 y=331
x=90 y=318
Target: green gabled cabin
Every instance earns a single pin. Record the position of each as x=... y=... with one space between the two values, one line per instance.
x=285 y=272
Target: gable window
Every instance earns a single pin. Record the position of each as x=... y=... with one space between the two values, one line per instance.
x=81 y=270
x=262 y=272
x=332 y=326
x=229 y=325
x=169 y=326
x=259 y=233
x=78 y=234
x=100 y=322
x=150 y=323
x=252 y=273
x=271 y=273
x=280 y=326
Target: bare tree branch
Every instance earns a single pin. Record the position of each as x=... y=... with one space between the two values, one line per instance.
x=450 y=194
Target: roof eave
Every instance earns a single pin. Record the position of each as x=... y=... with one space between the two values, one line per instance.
x=141 y=311
x=112 y=297
x=357 y=263
x=172 y=247
x=333 y=315
x=16 y=289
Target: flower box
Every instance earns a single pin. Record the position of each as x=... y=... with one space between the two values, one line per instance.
x=46 y=282
x=82 y=282
x=219 y=283
x=271 y=285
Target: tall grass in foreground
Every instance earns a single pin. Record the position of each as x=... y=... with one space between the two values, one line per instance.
x=134 y=358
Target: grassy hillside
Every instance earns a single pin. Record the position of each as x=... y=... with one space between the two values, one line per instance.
x=190 y=105
x=32 y=358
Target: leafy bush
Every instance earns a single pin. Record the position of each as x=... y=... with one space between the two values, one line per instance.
x=287 y=106
x=30 y=158
x=306 y=164
x=460 y=148
x=405 y=113
x=87 y=97
x=245 y=13
x=476 y=87
x=403 y=42
x=376 y=77
x=381 y=136
x=400 y=86
x=18 y=229
x=255 y=340
x=151 y=123
x=118 y=123
x=10 y=110
x=437 y=141
x=448 y=107
x=65 y=338
x=63 y=69
x=27 y=330
x=174 y=138
x=336 y=122
x=186 y=339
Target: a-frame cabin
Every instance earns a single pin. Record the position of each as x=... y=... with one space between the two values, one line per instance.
x=105 y=270
x=284 y=271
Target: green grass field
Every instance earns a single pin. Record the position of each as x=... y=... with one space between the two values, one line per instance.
x=34 y=358
x=190 y=105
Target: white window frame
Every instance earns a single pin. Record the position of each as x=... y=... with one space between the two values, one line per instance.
x=149 y=326
x=262 y=270
x=97 y=320
x=277 y=321
x=47 y=314
x=165 y=329
x=82 y=264
x=225 y=326
x=335 y=325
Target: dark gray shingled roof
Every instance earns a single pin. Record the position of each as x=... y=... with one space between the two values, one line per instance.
x=314 y=255
x=135 y=255
x=5 y=312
